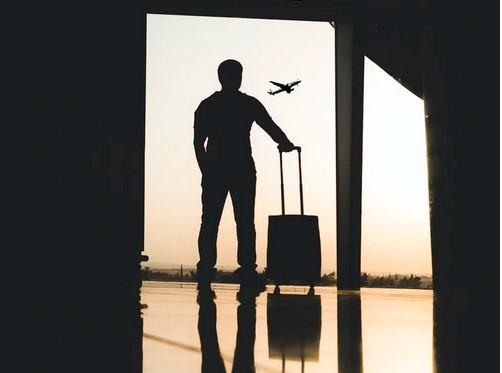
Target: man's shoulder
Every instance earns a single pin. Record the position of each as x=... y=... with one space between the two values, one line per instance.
x=251 y=101
x=208 y=101
x=217 y=99
x=249 y=98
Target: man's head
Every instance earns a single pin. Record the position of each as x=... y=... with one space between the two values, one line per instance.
x=230 y=74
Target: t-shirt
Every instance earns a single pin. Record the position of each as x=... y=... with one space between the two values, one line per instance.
x=225 y=119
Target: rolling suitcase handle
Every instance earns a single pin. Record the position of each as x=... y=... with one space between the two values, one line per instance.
x=299 y=149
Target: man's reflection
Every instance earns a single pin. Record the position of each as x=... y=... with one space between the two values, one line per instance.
x=212 y=362
x=350 y=347
x=246 y=321
x=211 y=357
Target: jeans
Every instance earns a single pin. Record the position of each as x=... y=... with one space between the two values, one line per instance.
x=242 y=190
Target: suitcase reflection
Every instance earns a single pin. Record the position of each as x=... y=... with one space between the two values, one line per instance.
x=294 y=327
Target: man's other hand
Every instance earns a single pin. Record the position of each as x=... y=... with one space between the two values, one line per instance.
x=286 y=147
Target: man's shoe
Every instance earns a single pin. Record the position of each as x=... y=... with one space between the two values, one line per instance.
x=252 y=281
x=247 y=296
x=205 y=276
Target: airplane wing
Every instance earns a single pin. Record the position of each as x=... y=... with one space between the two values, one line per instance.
x=282 y=86
x=294 y=83
x=270 y=92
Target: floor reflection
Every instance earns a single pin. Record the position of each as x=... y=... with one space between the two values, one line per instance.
x=350 y=346
x=375 y=330
x=212 y=361
x=294 y=327
x=246 y=329
x=453 y=346
x=210 y=349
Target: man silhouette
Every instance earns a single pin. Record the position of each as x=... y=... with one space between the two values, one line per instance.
x=224 y=119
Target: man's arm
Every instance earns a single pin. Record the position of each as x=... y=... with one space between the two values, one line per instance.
x=199 y=138
x=264 y=120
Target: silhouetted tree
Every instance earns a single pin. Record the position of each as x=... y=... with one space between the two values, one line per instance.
x=364 y=279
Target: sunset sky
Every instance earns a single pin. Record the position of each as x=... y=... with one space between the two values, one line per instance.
x=183 y=54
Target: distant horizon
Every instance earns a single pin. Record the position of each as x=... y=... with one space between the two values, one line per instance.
x=175 y=266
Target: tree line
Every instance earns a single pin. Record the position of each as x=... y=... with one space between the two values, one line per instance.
x=329 y=279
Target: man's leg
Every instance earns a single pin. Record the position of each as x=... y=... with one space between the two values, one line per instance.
x=243 y=197
x=243 y=200
x=214 y=194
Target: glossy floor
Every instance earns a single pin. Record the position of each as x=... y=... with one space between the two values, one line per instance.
x=376 y=330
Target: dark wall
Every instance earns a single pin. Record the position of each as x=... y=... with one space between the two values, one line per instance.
x=77 y=77
x=462 y=96
x=460 y=60
x=75 y=137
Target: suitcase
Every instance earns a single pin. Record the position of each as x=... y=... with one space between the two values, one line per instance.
x=294 y=245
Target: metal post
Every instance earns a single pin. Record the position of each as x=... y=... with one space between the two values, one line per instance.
x=282 y=185
x=349 y=144
x=300 y=172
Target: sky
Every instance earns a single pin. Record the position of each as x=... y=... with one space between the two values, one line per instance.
x=183 y=54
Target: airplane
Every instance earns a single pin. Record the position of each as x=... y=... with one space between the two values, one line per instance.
x=288 y=87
